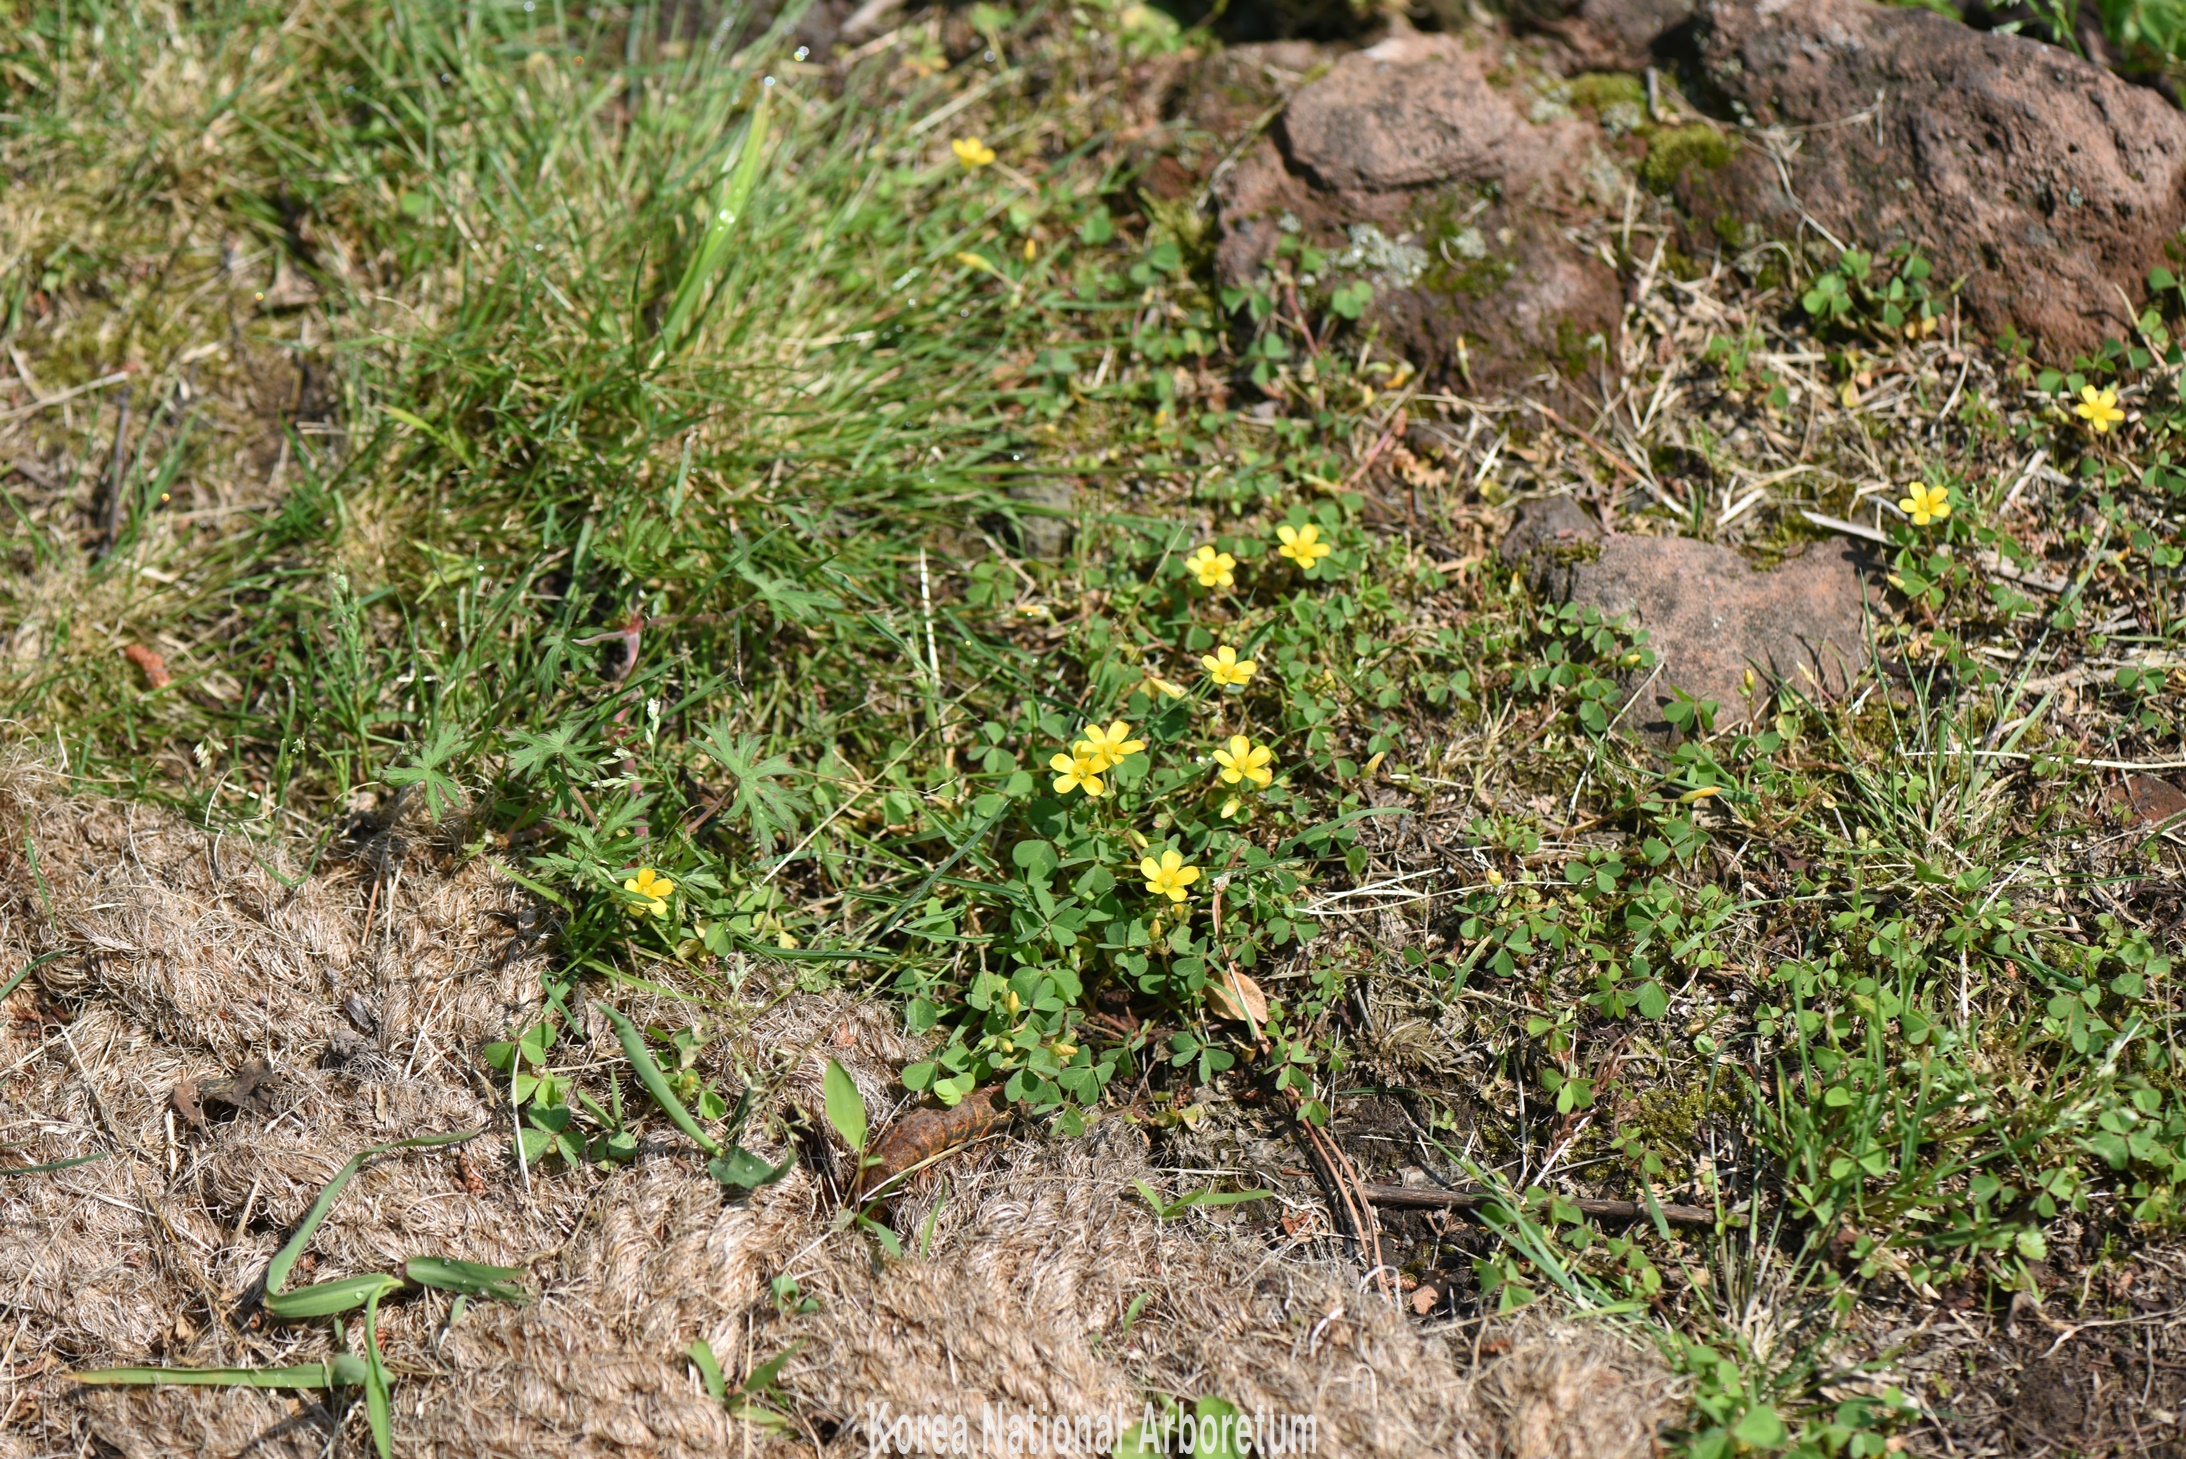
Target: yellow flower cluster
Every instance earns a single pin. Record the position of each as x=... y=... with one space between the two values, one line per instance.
x=1100 y=748
x=1213 y=568
x=1092 y=755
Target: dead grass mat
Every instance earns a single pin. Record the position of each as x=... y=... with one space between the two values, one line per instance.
x=174 y=954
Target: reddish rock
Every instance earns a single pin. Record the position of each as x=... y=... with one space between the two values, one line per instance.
x=1426 y=167
x=1610 y=35
x=2045 y=181
x=2151 y=802
x=1709 y=616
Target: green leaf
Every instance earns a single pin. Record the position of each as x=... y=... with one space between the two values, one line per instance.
x=763 y=803
x=700 y=1352
x=471 y=1278
x=655 y=1082
x=342 y=1370
x=450 y=440
x=52 y=1164
x=845 y=1106
x=379 y=1412
x=285 y=1259
x=713 y=250
x=328 y=1299
x=1761 y=1428
x=425 y=771
x=746 y=1171
x=1221 y=1198
x=763 y=1377
x=1210 y=1412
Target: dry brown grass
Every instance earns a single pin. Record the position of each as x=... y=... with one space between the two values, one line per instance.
x=172 y=954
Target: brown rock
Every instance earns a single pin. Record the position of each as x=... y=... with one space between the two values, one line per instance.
x=1609 y=35
x=1424 y=167
x=1709 y=616
x=2153 y=803
x=2044 y=181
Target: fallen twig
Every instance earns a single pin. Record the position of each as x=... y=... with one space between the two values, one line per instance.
x=1411 y=1198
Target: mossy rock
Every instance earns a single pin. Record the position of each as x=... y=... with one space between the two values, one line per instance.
x=1670 y=153
x=1600 y=90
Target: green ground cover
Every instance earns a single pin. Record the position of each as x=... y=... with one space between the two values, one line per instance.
x=627 y=446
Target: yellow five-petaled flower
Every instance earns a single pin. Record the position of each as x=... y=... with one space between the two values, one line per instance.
x=1076 y=771
x=2099 y=408
x=1243 y=760
x=1302 y=545
x=1105 y=748
x=1213 y=569
x=1169 y=876
x=1226 y=668
x=972 y=152
x=652 y=891
x=1926 y=504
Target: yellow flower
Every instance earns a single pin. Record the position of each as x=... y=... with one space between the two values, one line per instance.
x=1231 y=807
x=1226 y=668
x=1076 y=771
x=1169 y=876
x=1243 y=760
x=1213 y=569
x=1302 y=545
x=2099 y=408
x=972 y=152
x=1104 y=748
x=652 y=890
x=1926 y=504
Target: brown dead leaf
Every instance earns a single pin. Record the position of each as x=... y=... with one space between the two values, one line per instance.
x=1235 y=996
x=150 y=664
x=249 y=1092
x=920 y=1134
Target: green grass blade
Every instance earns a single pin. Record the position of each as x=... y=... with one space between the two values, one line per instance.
x=470 y=1278
x=285 y=1259
x=52 y=1164
x=713 y=250
x=325 y=1299
x=339 y=1371
x=379 y=1412
x=655 y=1082
x=700 y=1352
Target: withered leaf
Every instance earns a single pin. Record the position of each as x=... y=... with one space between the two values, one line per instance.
x=249 y=1092
x=920 y=1134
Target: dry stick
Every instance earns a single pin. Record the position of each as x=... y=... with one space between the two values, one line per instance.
x=1334 y=1165
x=1408 y=1198
x=1616 y=462
x=110 y=512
